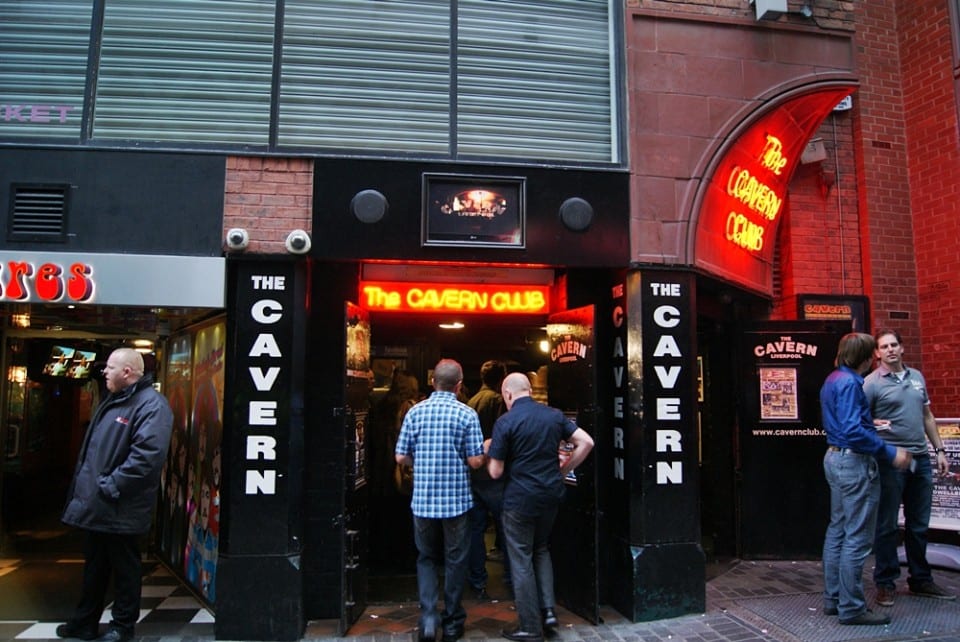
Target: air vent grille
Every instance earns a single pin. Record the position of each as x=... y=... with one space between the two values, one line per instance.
x=38 y=213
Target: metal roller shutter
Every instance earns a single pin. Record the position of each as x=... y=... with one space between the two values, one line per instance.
x=43 y=67
x=196 y=71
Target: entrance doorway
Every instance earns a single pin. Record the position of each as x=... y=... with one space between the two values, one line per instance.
x=404 y=349
x=44 y=418
x=51 y=358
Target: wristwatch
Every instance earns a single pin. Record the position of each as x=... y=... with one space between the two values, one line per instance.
x=937 y=451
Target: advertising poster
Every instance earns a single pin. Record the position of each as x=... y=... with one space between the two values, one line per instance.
x=204 y=460
x=778 y=394
x=171 y=516
x=945 y=511
x=358 y=347
x=360 y=450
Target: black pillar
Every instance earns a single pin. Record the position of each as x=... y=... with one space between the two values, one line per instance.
x=259 y=584
x=661 y=545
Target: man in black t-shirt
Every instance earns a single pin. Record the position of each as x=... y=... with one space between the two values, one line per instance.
x=525 y=450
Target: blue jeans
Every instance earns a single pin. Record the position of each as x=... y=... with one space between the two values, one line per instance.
x=441 y=542
x=528 y=544
x=854 y=496
x=915 y=490
x=487 y=498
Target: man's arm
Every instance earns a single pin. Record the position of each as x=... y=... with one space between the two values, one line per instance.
x=405 y=460
x=495 y=468
x=582 y=445
x=475 y=461
x=933 y=434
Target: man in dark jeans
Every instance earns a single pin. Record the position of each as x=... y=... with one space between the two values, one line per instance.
x=898 y=400
x=487 y=492
x=525 y=448
x=440 y=437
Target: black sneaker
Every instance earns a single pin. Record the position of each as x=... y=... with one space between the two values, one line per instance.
x=867 y=617
x=931 y=589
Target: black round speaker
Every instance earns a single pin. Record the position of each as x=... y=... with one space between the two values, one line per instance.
x=576 y=214
x=369 y=205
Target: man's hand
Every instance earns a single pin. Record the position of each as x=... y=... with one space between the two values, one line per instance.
x=943 y=464
x=902 y=460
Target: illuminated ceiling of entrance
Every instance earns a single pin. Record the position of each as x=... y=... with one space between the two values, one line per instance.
x=99 y=319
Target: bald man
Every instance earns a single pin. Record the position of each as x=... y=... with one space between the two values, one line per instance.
x=113 y=493
x=525 y=449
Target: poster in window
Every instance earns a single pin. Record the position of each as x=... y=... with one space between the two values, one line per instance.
x=778 y=394
x=945 y=508
x=473 y=210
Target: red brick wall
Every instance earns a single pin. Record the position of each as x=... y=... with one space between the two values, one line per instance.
x=933 y=152
x=268 y=197
x=819 y=239
x=884 y=186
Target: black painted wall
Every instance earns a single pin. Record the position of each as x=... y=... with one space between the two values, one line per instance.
x=338 y=234
x=125 y=202
x=324 y=439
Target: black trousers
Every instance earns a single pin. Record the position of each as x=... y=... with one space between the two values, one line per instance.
x=110 y=556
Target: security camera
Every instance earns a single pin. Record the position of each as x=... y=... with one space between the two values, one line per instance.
x=237 y=238
x=298 y=242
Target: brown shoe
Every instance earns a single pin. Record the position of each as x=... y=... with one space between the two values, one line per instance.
x=886 y=595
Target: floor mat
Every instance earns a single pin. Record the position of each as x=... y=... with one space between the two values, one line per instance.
x=801 y=615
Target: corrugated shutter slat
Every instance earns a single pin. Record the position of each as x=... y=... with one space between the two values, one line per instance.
x=43 y=62
x=534 y=81
x=361 y=75
x=186 y=71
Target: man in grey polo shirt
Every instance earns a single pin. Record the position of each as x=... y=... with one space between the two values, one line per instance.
x=901 y=409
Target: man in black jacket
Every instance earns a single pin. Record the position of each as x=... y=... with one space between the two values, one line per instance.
x=113 y=493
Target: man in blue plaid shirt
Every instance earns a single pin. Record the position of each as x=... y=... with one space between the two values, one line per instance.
x=441 y=438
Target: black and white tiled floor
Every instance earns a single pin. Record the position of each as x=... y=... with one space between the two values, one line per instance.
x=167 y=608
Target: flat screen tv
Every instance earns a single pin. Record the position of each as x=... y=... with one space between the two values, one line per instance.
x=82 y=365
x=69 y=363
x=59 y=361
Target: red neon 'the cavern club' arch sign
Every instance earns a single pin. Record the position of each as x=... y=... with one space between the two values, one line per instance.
x=744 y=201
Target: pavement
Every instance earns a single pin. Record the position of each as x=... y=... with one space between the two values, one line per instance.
x=746 y=600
